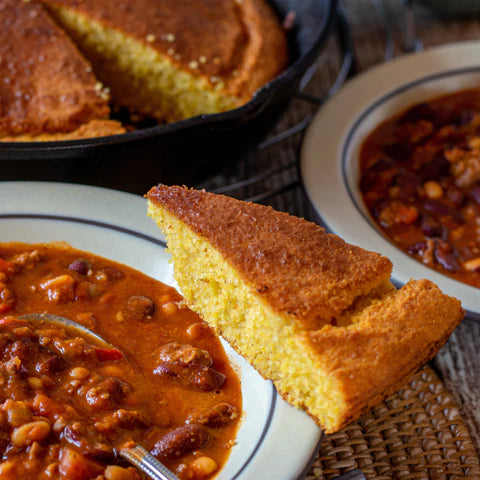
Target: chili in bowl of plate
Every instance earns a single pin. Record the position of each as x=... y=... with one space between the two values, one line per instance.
x=68 y=405
x=420 y=180
x=389 y=164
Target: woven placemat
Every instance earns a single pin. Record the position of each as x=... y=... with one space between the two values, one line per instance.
x=417 y=433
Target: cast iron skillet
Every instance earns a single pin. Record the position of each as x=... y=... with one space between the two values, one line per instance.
x=181 y=152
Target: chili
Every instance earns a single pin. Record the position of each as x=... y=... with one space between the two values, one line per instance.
x=420 y=180
x=68 y=404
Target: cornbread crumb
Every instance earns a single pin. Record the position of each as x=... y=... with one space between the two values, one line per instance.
x=312 y=313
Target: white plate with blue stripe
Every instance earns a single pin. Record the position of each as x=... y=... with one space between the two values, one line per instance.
x=329 y=158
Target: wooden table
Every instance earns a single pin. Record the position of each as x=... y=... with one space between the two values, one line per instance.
x=459 y=361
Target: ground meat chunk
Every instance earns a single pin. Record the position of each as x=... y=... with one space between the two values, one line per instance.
x=27 y=259
x=59 y=289
x=184 y=354
x=138 y=308
x=464 y=165
x=106 y=393
x=220 y=415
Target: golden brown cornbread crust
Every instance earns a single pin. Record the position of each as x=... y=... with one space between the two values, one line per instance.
x=294 y=265
x=335 y=371
x=46 y=84
x=386 y=343
x=238 y=42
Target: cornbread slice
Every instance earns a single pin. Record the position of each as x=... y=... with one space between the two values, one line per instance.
x=47 y=87
x=312 y=313
x=174 y=59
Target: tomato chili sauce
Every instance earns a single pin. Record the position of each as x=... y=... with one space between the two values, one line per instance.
x=420 y=179
x=68 y=404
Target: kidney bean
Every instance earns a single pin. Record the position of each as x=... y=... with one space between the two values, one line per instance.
x=379 y=206
x=53 y=364
x=408 y=183
x=475 y=193
x=80 y=266
x=400 y=152
x=457 y=197
x=418 y=247
x=112 y=273
x=464 y=118
x=431 y=227
x=436 y=206
x=138 y=308
x=86 y=440
x=445 y=256
x=435 y=169
x=372 y=173
x=180 y=441
x=184 y=354
x=201 y=377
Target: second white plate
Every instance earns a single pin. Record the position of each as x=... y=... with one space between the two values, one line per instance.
x=329 y=162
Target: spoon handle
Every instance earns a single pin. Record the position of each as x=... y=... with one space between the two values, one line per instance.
x=147 y=463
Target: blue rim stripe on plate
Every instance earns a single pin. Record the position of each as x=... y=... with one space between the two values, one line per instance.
x=148 y=238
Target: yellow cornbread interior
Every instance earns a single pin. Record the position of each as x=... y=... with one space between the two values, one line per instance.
x=140 y=77
x=267 y=340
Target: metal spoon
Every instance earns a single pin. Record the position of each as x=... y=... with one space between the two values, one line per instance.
x=137 y=456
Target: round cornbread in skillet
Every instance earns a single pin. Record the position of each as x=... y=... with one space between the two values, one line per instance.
x=174 y=59
x=47 y=87
x=314 y=314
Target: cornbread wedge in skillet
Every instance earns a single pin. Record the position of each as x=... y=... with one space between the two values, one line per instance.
x=47 y=87
x=174 y=59
x=312 y=313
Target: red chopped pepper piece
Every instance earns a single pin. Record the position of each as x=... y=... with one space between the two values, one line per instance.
x=105 y=354
x=7 y=267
